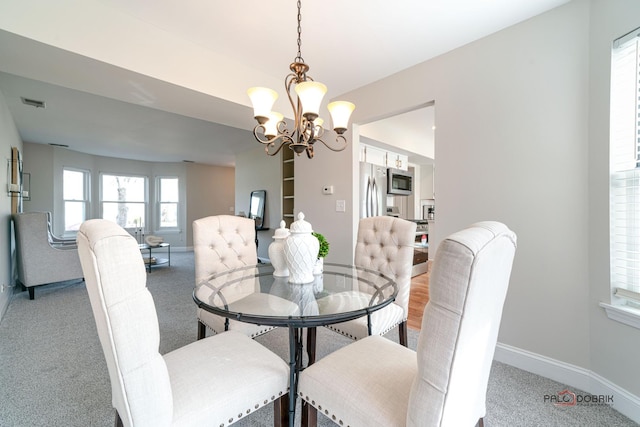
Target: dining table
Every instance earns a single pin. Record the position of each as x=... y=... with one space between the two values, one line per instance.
x=252 y=294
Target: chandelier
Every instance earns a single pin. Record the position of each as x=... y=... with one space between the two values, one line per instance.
x=271 y=129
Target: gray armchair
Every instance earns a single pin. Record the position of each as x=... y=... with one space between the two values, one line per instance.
x=40 y=261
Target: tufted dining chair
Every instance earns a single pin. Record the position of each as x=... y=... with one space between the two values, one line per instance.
x=215 y=381
x=376 y=382
x=225 y=242
x=384 y=244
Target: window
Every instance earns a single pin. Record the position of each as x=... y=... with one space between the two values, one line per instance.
x=124 y=200
x=625 y=171
x=168 y=202
x=75 y=193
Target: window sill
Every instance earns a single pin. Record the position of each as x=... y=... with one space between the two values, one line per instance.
x=168 y=231
x=623 y=314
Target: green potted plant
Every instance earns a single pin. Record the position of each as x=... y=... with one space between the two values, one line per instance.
x=322 y=252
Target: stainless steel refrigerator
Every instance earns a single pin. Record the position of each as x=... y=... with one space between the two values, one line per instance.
x=373 y=190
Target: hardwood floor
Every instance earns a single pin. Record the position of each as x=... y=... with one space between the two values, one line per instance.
x=418 y=298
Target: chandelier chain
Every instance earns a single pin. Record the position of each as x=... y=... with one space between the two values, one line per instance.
x=299 y=56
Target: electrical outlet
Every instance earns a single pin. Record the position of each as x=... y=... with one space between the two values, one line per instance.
x=340 y=206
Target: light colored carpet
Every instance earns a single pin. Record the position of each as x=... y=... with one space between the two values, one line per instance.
x=53 y=373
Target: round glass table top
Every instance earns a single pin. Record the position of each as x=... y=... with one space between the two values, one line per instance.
x=252 y=294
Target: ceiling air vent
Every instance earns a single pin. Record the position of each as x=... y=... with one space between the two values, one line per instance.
x=33 y=102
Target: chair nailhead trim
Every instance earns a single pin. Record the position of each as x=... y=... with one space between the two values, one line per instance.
x=326 y=411
x=248 y=412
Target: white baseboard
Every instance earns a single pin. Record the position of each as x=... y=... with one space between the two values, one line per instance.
x=574 y=376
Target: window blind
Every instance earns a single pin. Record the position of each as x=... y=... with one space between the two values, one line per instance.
x=625 y=167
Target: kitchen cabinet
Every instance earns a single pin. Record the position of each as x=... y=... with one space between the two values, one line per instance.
x=382 y=157
x=398 y=161
x=373 y=155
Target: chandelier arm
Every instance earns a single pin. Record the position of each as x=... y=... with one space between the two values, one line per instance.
x=266 y=148
x=257 y=135
x=284 y=137
x=340 y=139
x=319 y=132
x=285 y=141
x=307 y=131
x=297 y=109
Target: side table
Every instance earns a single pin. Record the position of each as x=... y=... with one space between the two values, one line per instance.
x=154 y=262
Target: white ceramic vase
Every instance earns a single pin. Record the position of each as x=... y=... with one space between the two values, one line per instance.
x=276 y=251
x=318 y=267
x=301 y=251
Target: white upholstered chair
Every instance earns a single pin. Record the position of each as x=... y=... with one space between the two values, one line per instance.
x=215 y=381
x=384 y=244
x=376 y=382
x=224 y=242
x=41 y=261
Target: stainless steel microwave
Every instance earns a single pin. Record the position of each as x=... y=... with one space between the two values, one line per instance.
x=399 y=182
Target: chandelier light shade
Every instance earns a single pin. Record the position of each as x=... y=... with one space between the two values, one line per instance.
x=310 y=95
x=340 y=112
x=271 y=125
x=272 y=130
x=262 y=99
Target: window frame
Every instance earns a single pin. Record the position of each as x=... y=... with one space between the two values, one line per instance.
x=159 y=203
x=86 y=174
x=624 y=181
x=140 y=228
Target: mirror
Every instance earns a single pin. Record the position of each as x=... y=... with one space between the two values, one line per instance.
x=256 y=207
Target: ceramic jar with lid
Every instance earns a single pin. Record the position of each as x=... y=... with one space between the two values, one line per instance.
x=301 y=251
x=276 y=251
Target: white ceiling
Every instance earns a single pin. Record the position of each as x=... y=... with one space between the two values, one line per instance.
x=93 y=63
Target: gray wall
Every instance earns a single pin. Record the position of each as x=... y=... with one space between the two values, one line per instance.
x=257 y=171
x=336 y=169
x=8 y=138
x=210 y=191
